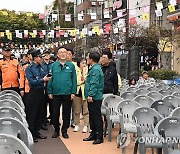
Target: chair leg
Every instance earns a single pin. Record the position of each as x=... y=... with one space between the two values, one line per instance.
x=105 y=126
x=124 y=150
x=135 y=147
x=142 y=148
x=109 y=130
x=159 y=150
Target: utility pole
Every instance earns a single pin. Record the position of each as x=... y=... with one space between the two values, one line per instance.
x=127 y=24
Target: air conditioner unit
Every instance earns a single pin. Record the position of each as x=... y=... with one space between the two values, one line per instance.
x=93 y=3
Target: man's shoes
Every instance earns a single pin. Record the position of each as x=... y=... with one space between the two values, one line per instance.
x=98 y=141
x=51 y=122
x=35 y=139
x=65 y=135
x=43 y=127
x=55 y=134
x=40 y=136
x=90 y=138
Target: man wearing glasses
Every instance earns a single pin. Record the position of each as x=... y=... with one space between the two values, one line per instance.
x=36 y=77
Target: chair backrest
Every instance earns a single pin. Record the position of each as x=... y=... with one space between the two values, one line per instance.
x=144 y=101
x=146 y=118
x=12 y=113
x=175 y=112
x=177 y=94
x=10 y=144
x=163 y=108
x=9 y=92
x=132 y=89
x=143 y=86
x=141 y=92
x=170 y=126
x=16 y=128
x=173 y=89
x=172 y=99
x=162 y=86
x=155 y=95
x=14 y=98
x=112 y=102
x=153 y=89
x=127 y=108
x=12 y=104
x=165 y=92
x=128 y=95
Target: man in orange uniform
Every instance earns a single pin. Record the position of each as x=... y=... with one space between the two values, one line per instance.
x=25 y=82
x=10 y=72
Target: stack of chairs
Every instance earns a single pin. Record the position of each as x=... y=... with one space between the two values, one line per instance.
x=15 y=136
x=145 y=111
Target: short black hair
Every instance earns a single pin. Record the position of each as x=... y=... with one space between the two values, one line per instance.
x=62 y=47
x=72 y=52
x=23 y=55
x=109 y=54
x=95 y=56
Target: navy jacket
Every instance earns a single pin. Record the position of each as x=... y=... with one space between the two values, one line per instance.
x=46 y=67
x=35 y=74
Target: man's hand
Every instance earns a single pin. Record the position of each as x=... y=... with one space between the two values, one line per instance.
x=50 y=96
x=90 y=99
x=46 y=78
x=72 y=96
x=22 y=93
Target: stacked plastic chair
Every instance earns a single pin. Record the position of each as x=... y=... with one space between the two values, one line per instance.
x=13 y=125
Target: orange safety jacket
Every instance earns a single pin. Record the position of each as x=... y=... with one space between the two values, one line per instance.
x=24 y=80
x=10 y=72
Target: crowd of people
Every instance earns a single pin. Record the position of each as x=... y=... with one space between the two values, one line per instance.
x=79 y=87
x=76 y=86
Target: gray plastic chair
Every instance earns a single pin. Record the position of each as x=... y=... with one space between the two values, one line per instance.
x=165 y=92
x=177 y=94
x=141 y=92
x=128 y=95
x=163 y=108
x=16 y=128
x=153 y=89
x=111 y=102
x=126 y=109
x=155 y=95
x=172 y=99
x=169 y=128
x=12 y=104
x=143 y=86
x=11 y=145
x=175 y=112
x=144 y=101
x=132 y=89
x=162 y=86
x=12 y=113
x=145 y=119
x=10 y=92
x=14 y=98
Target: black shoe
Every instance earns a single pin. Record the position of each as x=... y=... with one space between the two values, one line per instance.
x=40 y=136
x=43 y=127
x=55 y=134
x=90 y=138
x=35 y=139
x=72 y=125
x=51 y=122
x=65 y=135
x=98 y=141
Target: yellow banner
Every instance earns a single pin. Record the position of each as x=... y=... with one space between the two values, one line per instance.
x=145 y=16
x=171 y=8
x=9 y=35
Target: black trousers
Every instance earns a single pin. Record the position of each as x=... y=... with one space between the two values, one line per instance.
x=66 y=102
x=13 y=88
x=35 y=110
x=45 y=103
x=26 y=100
x=95 y=119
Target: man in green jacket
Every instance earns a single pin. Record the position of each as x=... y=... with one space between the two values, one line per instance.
x=62 y=89
x=94 y=86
